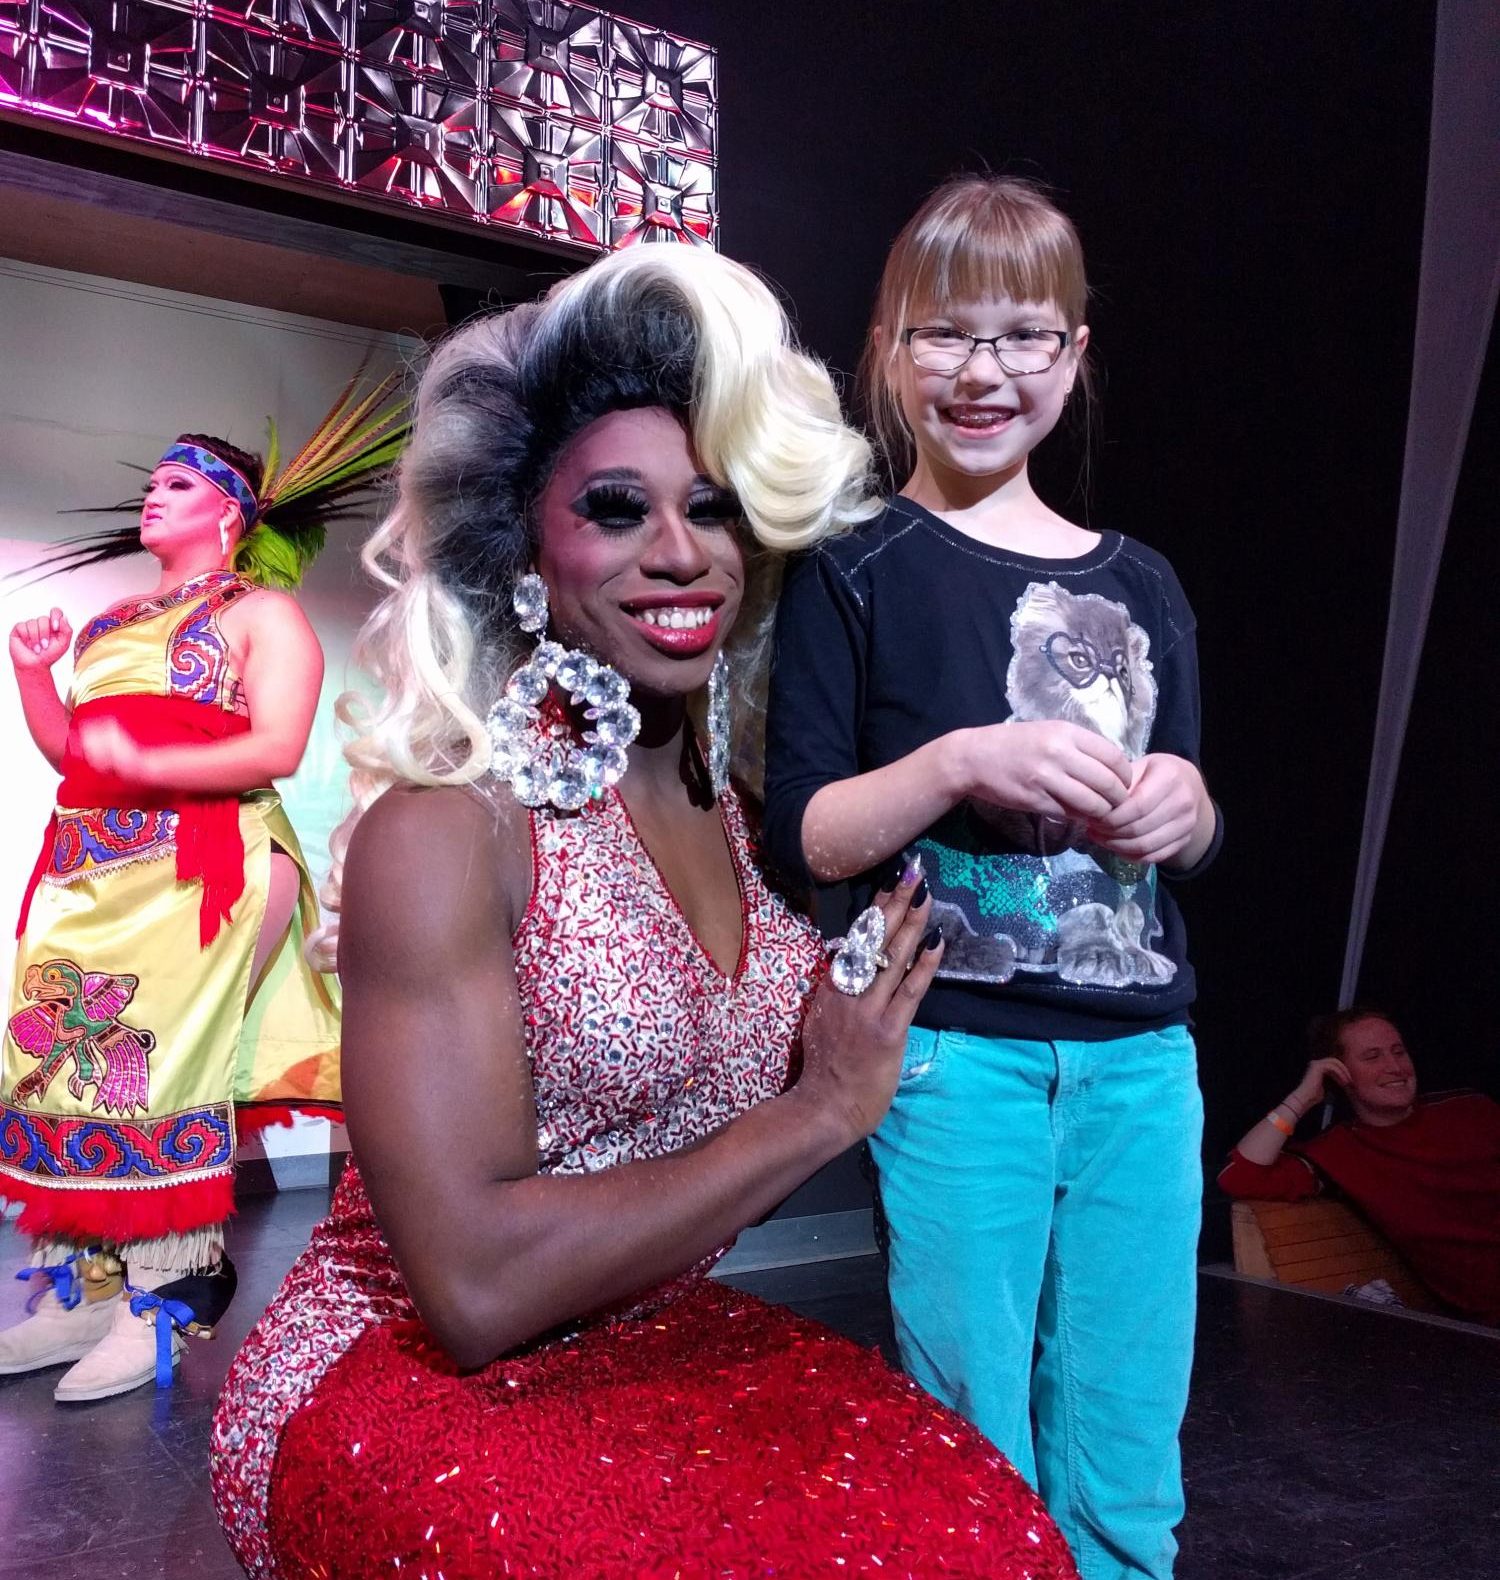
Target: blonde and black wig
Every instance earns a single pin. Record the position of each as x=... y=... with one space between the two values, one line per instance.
x=685 y=330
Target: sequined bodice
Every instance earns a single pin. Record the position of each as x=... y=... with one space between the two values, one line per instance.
x=639 y=1044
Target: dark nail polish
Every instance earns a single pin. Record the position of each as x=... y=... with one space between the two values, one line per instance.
x=919 y=899
x=933 y=938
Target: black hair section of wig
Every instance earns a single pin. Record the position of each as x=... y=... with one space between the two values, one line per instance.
x=595 y=362
x=576 y=366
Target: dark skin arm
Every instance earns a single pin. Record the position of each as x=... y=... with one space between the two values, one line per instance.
x=438 y=1094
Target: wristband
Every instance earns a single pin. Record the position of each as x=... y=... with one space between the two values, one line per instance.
x=1274 y=1119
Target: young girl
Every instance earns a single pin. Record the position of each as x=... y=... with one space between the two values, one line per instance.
x=975 y=680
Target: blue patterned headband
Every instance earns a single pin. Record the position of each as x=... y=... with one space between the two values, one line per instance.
x=220 y=473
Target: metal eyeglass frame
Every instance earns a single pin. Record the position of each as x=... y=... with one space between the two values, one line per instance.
x=993 y=342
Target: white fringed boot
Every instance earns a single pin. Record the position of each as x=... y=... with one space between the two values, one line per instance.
x=126 y=1357
x=55 y=1333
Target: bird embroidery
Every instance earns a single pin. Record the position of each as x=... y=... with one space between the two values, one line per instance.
x=74 y=1015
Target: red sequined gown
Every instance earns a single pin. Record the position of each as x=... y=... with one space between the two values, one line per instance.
x=702 y=1434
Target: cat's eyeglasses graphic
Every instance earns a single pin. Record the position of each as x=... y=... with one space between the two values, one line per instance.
x=1081 y=663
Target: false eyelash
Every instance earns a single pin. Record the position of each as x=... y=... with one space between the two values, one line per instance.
x=619 y=506
x=611 y=504
x=718 y=506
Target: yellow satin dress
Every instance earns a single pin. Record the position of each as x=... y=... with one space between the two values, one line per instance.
x=128 y=1041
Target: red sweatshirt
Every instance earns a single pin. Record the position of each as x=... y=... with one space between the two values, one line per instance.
x=1430 y=1185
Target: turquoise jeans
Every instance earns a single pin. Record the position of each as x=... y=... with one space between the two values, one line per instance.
x=1043 y=1202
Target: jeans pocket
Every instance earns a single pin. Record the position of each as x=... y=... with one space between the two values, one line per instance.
x=924 y=1056
x=1175 y=1089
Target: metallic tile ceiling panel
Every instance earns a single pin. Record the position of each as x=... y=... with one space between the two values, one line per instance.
x=542 y=117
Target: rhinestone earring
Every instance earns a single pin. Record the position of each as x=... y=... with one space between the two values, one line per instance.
x=536 y=750
x=529 y=600
x=719 y=725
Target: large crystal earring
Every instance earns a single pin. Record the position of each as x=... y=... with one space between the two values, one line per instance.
x=532 y=746
x=529 y=600
x=719 y=725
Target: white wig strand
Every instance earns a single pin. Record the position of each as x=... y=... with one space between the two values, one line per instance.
x=765 y=421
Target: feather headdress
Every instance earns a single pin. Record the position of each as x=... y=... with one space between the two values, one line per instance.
x=336 y=474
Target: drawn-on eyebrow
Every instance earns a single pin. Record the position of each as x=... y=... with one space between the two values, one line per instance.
x=615 y=474
x=630 y=474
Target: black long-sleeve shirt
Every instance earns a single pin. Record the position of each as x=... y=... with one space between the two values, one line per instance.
x=905 y=630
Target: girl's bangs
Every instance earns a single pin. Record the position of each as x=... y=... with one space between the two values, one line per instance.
x=983 y=252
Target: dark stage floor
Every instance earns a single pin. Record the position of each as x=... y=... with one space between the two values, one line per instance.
x=1323 y=1441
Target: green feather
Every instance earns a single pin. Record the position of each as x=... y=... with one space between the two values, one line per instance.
x=335 y=475
x=278 y=559
x=273 y=449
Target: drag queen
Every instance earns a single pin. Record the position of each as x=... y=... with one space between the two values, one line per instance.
x=574 y=1010
x=159 y=973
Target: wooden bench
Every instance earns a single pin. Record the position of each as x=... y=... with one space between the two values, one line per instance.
x=1321 y=1245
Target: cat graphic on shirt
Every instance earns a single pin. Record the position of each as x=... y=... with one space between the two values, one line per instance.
x=1077 y=657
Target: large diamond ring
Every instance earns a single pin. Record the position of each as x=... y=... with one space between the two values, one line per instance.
x=857 y=955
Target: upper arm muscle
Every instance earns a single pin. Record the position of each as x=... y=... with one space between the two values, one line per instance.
x=282 y=665
x=437 y=1088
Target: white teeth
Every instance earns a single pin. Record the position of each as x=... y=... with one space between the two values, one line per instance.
x=676 y=619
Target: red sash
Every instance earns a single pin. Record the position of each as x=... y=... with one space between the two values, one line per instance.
x=210 y=851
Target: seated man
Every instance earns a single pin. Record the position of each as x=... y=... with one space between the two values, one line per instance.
x=1425 y=1172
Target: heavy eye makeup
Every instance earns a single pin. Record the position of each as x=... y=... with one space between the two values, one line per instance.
x=621 y=507
x=713 y=506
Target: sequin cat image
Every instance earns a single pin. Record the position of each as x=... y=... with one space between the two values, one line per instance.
x=1060 y=906
x=1080 y=657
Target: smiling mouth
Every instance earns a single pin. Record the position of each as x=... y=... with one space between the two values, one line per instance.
x=675 y=619
x=682 y=629
x=976 y=419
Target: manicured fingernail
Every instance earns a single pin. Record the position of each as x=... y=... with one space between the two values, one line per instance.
x=911 y=872
x=932 y=938
x=919 y=898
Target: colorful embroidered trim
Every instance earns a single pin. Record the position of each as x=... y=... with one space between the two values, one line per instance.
x=71 y=1151
x=198 y=655
x=134 y=610
x=219 y=472
x=108 y=837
